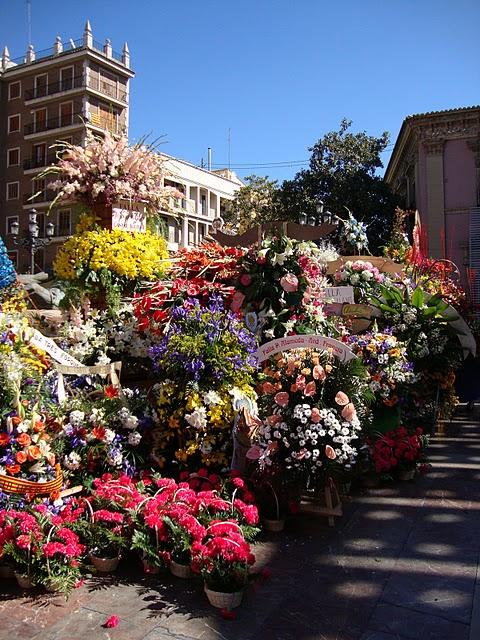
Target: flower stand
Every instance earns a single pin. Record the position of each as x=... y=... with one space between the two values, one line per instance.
x=331 y=507
x=222 y=600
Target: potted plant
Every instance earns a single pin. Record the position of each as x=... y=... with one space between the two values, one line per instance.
x=223 y=559
x=184 y=530
x=21 y=535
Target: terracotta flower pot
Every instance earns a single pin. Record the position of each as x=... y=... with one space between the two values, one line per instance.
x=24 y=582
x=104 y=565
x=223 y=600
x=273 y=525
x=180 y=570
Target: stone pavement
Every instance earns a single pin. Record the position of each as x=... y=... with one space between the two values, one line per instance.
x=401 y=565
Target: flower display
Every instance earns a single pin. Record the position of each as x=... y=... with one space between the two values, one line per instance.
x=205 y=362
x=361 y=275
x=112 y=259
x=354 y=234
x=397 y=450
x=386 y=360
x=310 y=425
x=280 y=288
x=106 y=169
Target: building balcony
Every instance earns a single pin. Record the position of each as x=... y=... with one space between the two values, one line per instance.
x=36 y=163
x=53 y=123
x=113 y=92
x=105 y=122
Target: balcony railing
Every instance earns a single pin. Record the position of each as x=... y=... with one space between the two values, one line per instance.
x=107 y=89
x=78 y=82
x=53 y=123
x=34 y=163
x=68 y=47
x=105 y=122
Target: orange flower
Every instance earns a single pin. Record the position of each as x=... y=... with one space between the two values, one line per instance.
x=24 y=440
x=39 y=426
x=4 y=439
x=34 y=452
x=111 y=391
x=98 y=433
x=21 y=457
x=16 y=420
x=13 y=469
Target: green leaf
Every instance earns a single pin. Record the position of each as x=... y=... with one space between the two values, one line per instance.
x=418 y=298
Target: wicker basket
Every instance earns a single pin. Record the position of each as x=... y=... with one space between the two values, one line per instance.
x=222 y=600
x=9 y=484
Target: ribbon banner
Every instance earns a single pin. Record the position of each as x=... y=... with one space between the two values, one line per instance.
x=322 y=343
x=47 y=344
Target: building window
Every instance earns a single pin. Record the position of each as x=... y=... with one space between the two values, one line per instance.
x=66 y=78
x=12 y=190
x=10 y=220
x=41 y=85
x=64 y=223
x=40 y=120
x=14 y=89
x=14 y=123
x=39 y=154
x=13 y=157
x=66 y=114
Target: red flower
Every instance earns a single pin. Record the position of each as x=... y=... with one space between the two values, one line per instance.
x=228 y=615
x=111 y=391
x=111 y=622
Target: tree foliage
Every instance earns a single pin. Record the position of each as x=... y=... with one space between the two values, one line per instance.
x=342 y=173
x=255 y=203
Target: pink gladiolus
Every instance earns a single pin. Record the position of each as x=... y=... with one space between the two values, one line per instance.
x=342 y=398
x=282 y=398
x=289 y=283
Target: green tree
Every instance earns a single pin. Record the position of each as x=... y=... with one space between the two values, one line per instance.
x=255 y=203
x=343 y=173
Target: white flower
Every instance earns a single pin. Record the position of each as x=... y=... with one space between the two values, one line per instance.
x=211 y=397
x=76 y=418
x=72 y=461
x=115 y=458
x=24 y=426
x=134 y=438
x=109 y=435
x=197 y=419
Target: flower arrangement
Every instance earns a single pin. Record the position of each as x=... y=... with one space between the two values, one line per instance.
x=102 y=432
x=397 y=450
x=114 y=260
x=386 y=360
x=280 y=288
x=205 y=362
x=106 y=170
x=354 y=234
x=41 y=547
x=311 y=426
x=361 y=275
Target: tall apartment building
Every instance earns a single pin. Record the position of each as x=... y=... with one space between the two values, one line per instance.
x=48 y=96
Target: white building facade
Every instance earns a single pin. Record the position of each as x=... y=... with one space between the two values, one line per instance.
x=206 y=196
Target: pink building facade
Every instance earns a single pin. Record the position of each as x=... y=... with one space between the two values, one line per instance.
x=435 y=167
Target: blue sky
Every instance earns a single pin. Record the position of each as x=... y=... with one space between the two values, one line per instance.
x=279 y=73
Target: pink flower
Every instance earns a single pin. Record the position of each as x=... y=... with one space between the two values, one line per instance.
x=273 y=419
x=245 y=279
x=315 y=417
x=282 y=398
x=267 y=387
x=342 y=399
x=319 y=372
x=111 y=622
x=300 y=382
x=330 y=452
x=310 y=389
x=237 y=301
x=289 y=282
x=349 y=412
x=254 y=452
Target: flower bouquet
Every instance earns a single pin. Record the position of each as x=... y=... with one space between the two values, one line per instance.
x=361 y=275
x=398 y=452
x=205 y=363
x=223 y=558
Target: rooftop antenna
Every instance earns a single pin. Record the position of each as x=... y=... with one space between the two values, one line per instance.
x=229 y=139
x=29 y=22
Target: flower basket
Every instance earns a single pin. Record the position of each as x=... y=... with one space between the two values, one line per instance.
x=273 y=525
x=406 y=475
x=24 y=582
x=105 y=565
x=222 y=600
x=9 y=484
x=6 y=572
x=180 y=570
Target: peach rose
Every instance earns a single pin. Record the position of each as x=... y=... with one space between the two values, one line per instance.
x=282 y=398
x=315 y=417
x=21 y=457
x=349 y=412
x=289 y=282
x=342 y=398
x=267 y=387
x=34 y=452
x=24 y=440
